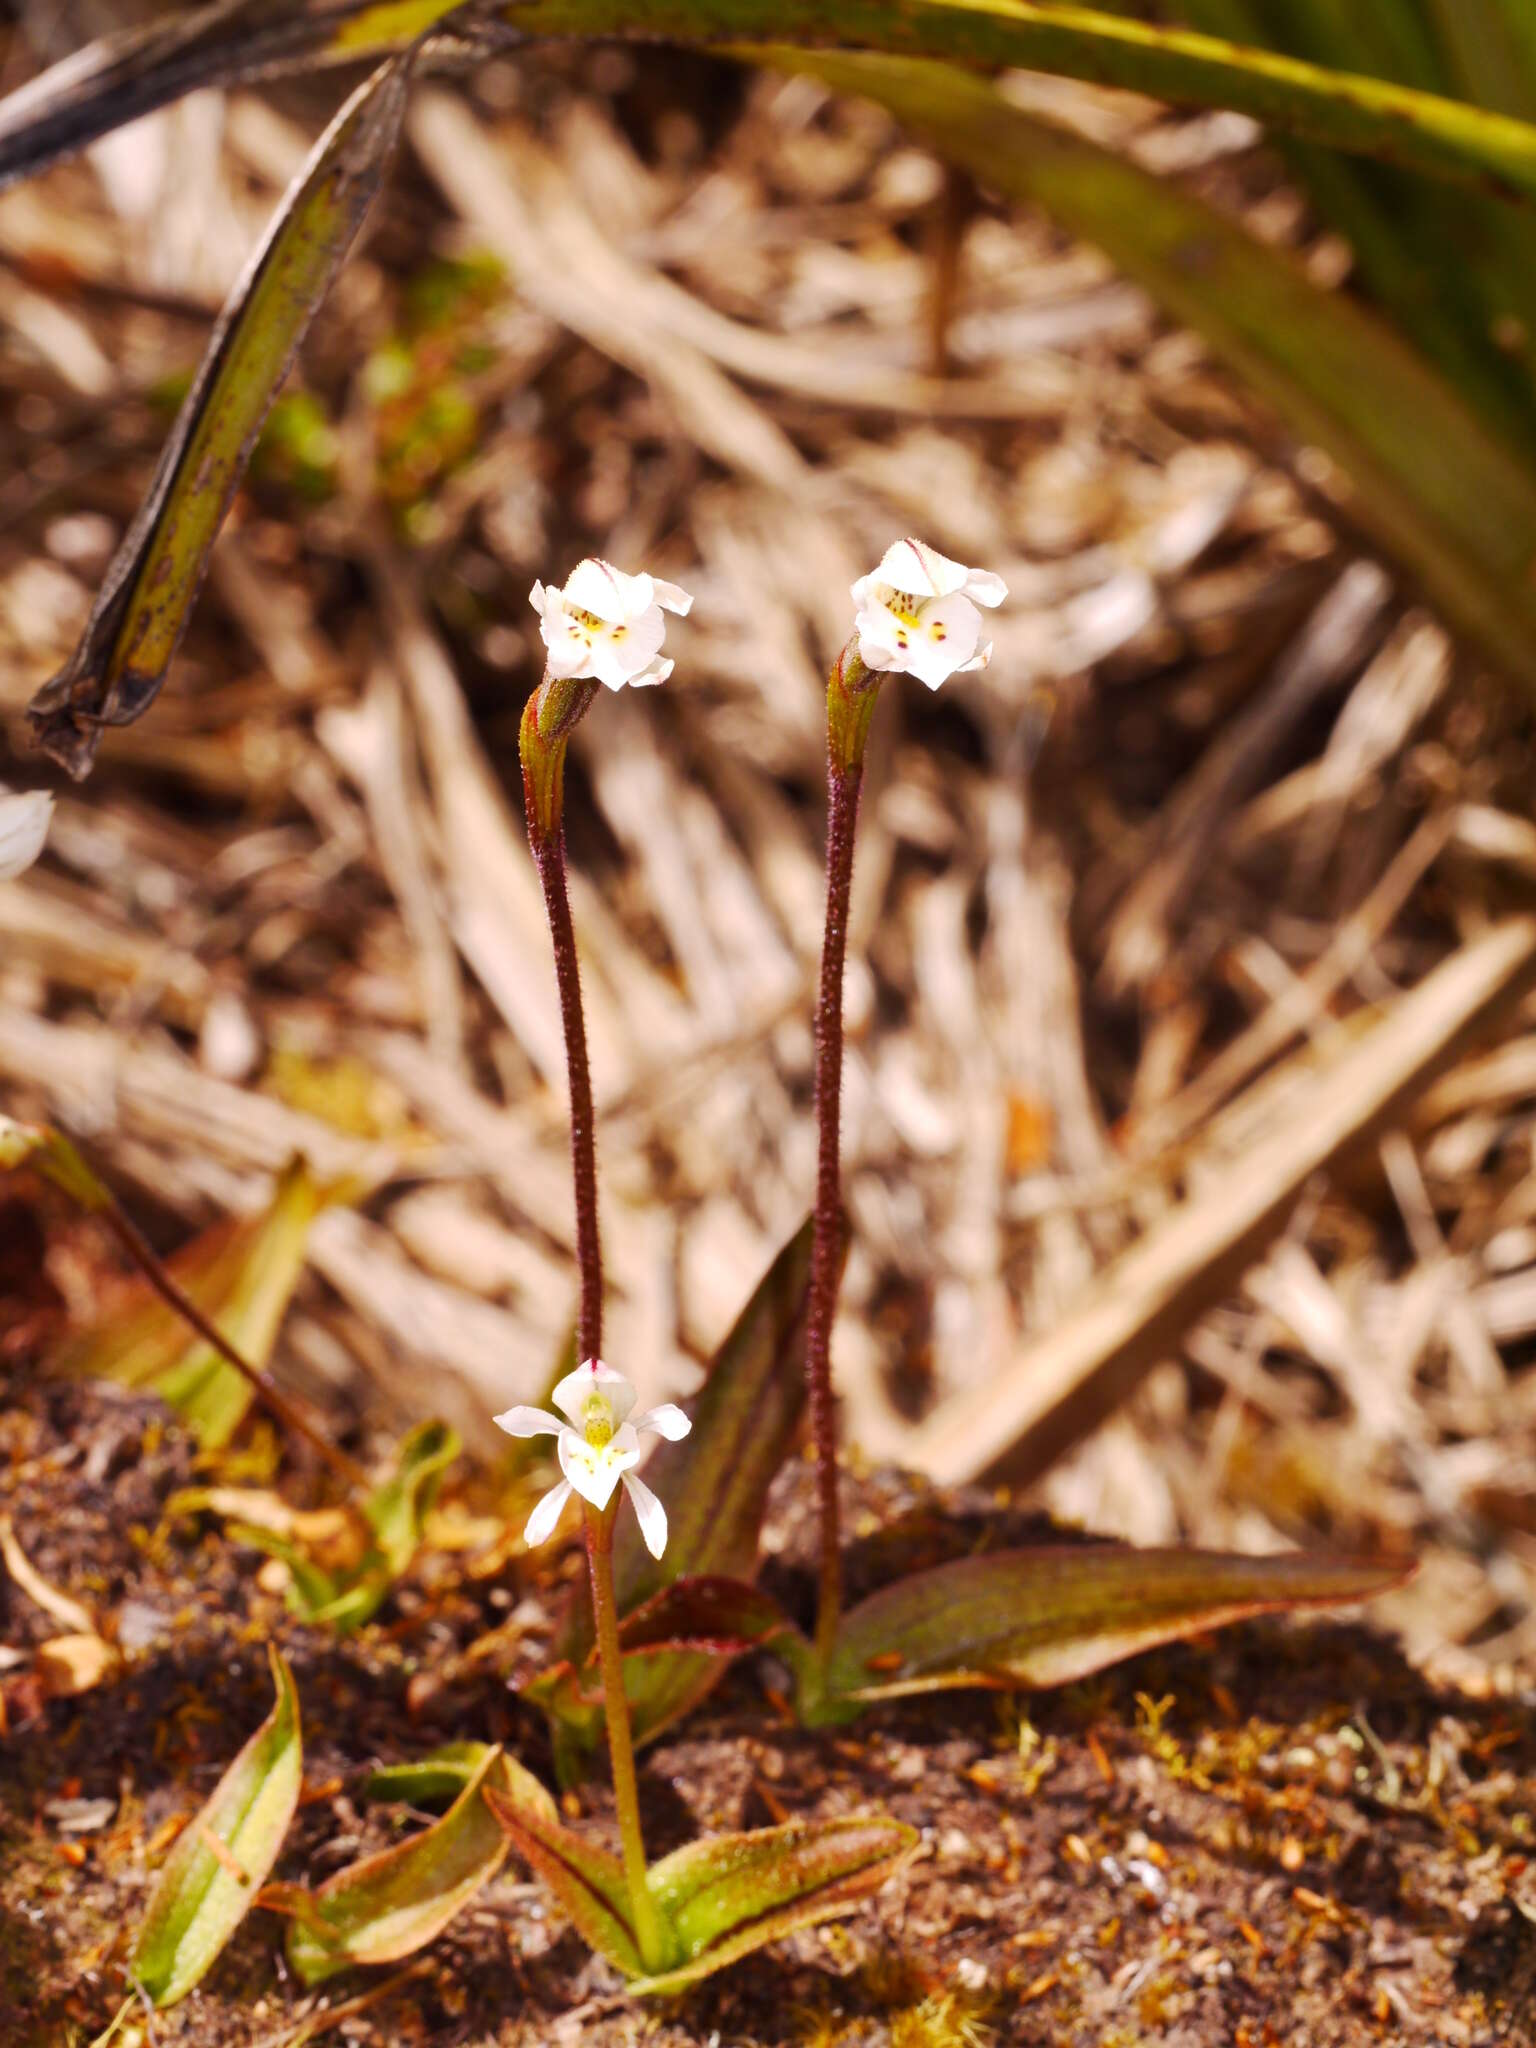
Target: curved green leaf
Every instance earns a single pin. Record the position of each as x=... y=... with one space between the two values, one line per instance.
x=1052 y=1614
x=441 y=1774
x=223 y=44
x=142 y=611
x=223 y=1856
x=587 y=1881
x=390 y=1905
x=1428 y=481
x=729 y=1894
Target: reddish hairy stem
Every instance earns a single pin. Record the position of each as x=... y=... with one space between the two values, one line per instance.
x=549 y=856
x=826 y=1241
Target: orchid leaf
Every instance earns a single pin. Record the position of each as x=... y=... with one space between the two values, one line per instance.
x=713 y=1618
x=441 y=1774
x=390 y=1905
x=1051 y=1614
x=587 y=1881
x=147 y=597
x=720 y=1617
x=231 y=41
x=730 y=1894
x=241 y=1275
x=223 y=1855
x=715 y=1483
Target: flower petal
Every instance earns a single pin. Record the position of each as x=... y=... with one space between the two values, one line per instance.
x=984 y=587
x=626 y=650
x=597 y=587
x=653 y=672
x=668 y=1420
x=523 y=1421
x=672 y=597
x=572 y=1393
x=650 y=1513
x=541 y=1523
x=912 y=565
x=24 y=821
x=568 y=642
x=538 y=597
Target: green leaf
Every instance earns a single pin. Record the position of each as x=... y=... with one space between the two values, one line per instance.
x=714 y=1484
x=1446 y=497
x=392 y=1904
x=441 y=1774
x=144 y=605
x=1049 y=1615
x=220 y=45
x=342 y=1564
x=719 y=1616
x=224 y=1854
x=587 y=1881
x=730 y=1894
x=242 y=1276
x=397 y=1509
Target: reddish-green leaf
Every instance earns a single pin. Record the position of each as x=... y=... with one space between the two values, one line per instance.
x=714 y=1484
x=223 y=1855
x=392 y=1904
x=1045 y=1616
x=721 y=1617
x=730 y=1894
x=587 y=1881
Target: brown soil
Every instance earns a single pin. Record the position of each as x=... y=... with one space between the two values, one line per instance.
x=1283 y=1835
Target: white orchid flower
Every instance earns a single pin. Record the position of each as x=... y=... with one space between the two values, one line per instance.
x=917 y=613
x=596 y=1445
x=607 y=625
x=24 y=821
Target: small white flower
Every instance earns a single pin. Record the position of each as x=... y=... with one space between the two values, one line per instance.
x=916 y=613
x=596 y=1445
x=607 y=625
x=24 y=822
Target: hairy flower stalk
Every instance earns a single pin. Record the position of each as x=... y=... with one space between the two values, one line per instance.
x=916 y=613
x=598 y=1443
x=604 y=627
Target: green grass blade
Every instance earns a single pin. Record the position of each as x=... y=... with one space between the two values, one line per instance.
x=1433 y=487
x=58 y=112
x=152 y=584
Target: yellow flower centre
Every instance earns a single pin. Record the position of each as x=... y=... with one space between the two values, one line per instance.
x=597 y=1424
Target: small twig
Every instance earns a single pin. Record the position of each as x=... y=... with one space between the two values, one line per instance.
x=284 y=1411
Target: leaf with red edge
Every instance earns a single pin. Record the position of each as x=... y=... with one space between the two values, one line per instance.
x=1048 y=1615
x=718 y=1616
x=729 y=1894
x=390 y=1905
x=587 y=1881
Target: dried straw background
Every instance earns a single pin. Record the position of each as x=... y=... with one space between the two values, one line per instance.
x=1167 y=929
